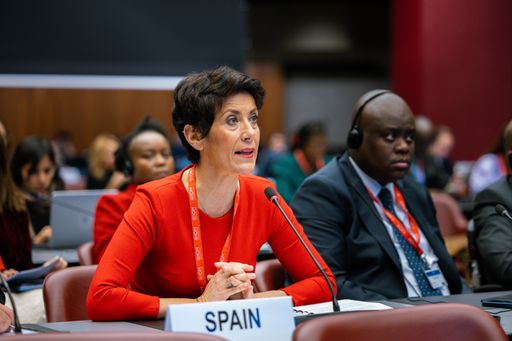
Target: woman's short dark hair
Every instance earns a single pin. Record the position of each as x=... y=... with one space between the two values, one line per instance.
x=200 y=96
x=30 y=151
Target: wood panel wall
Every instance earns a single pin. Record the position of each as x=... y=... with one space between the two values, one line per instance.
x=86 y=113
x=83 y=113
x=272 y=78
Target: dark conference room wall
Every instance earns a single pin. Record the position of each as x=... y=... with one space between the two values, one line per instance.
x=115 y=37
x=121 y=37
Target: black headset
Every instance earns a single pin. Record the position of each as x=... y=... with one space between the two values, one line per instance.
x=355 y=136
x=122 y=159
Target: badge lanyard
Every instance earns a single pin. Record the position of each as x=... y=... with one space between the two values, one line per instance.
x=413 y=241
x=196 y=229
x=303 y=163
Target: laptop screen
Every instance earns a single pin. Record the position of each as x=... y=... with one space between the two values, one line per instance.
x=72 y=216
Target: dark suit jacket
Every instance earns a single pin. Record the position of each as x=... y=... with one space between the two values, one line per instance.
x=341 y=221
x=494 y=232
x=2 y=297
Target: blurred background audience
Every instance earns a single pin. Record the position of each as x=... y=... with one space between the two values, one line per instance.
x=307 y=155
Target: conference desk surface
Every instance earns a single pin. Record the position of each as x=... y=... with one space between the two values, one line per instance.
x=158 y=325
x=41 y=255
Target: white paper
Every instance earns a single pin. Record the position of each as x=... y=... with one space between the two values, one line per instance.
x=345 y=305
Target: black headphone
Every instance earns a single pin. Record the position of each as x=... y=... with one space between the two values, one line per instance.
x=355 y=136
x=122 y=159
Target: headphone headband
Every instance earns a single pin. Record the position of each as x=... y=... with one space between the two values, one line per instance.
x=361 y=108
x=355 y=135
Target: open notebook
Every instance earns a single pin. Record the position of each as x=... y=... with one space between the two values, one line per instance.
x=345 y=306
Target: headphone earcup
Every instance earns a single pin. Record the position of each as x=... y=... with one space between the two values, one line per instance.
x=128 y=167
x=354 y=138
x=122 y=163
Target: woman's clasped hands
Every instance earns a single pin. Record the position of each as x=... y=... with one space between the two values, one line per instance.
x=231 y=281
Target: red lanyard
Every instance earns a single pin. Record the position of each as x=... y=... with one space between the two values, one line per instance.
x=2 y=266
x=502 y=165
x=413 y=241
x=303 y=163
x=196 y=229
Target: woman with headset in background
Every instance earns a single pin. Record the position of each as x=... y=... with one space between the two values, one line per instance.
x=144 y=155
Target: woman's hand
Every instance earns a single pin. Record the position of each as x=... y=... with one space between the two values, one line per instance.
x=9 y=273
x=237 y=269
x=60 y=263
x=6 y=318
x=230 y=280
x=43 y=236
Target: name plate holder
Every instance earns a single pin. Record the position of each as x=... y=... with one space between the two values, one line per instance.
x=250 y=319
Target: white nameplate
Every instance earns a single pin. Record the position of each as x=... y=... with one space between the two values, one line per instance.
x=250 y=319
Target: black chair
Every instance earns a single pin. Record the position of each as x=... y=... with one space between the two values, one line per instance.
x=479 y=281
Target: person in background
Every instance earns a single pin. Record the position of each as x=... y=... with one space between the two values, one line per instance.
x=15 y=240
x=489 y=167
x=194 y=236
x=438 y=167
x=308 y=154
x=101 y=163
x=276 y=148
x=3 y=132
x=35 y=172
x=179 y=153
x=144 y=155
x=424 y=133
x=494 y=230
x=376 y=227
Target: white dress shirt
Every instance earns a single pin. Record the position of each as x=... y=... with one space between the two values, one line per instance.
x=411 y=284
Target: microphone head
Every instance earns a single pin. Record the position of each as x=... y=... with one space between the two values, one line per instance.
x=270 y=193
x=500 y=209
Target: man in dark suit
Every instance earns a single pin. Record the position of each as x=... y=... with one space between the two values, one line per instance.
x=494 y=231
x=374 y=227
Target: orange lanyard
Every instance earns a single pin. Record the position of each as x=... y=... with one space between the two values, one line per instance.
x=196 y=229
x=303 y=163
x=413 y=241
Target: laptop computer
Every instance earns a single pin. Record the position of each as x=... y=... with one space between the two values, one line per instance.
x=504 y=301
x=72 y=217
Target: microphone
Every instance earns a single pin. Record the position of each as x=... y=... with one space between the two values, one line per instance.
x=17 y=325
x=501 y=210
x=272 y=196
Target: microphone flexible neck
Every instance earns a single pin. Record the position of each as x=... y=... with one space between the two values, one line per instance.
x=335 y=304
x=17 y=325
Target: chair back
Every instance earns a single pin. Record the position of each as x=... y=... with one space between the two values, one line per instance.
x=479 y=281
x=449 y=215
x=270 y=275
x=129 y=336
x=473 y=255
x=65 y=292
x=84 y=252
x=454 y=322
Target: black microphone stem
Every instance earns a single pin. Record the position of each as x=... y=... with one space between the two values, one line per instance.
x=17 y=325
x=335 y=304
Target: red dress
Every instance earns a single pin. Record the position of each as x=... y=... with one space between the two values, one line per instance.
x=109 y=213
x=152 y=250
